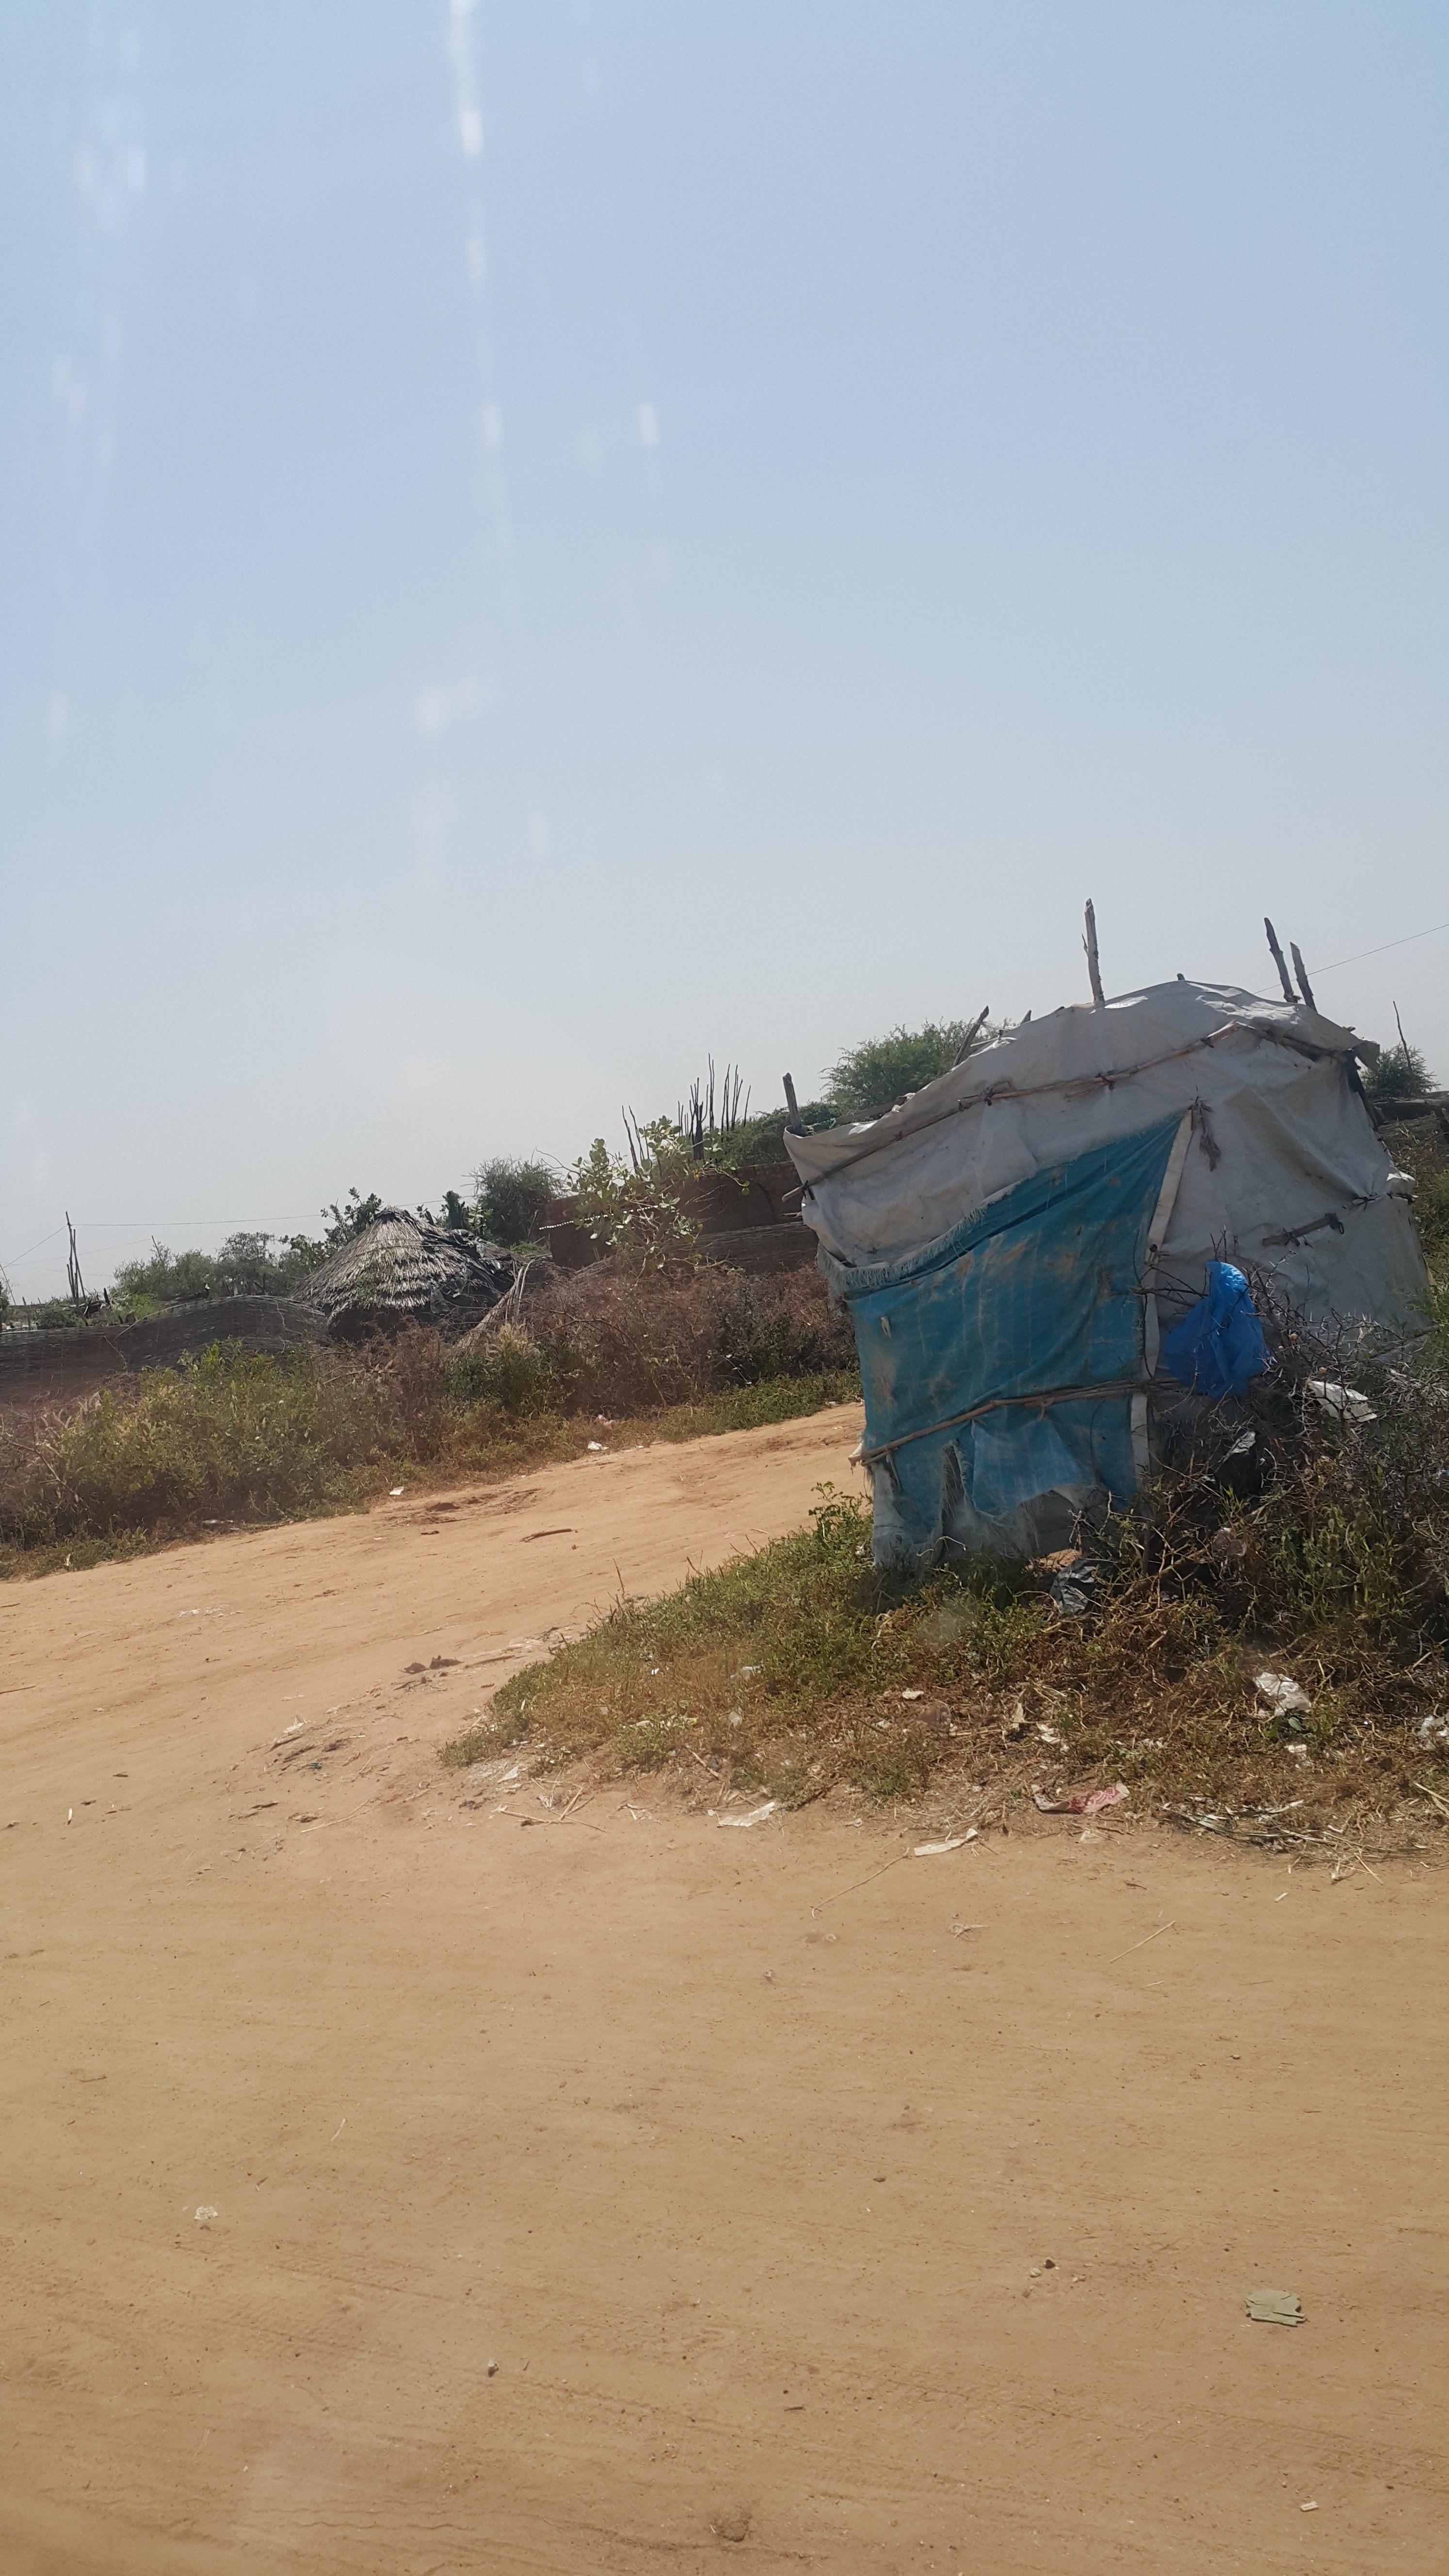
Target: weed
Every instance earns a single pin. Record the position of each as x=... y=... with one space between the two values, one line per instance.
x=610 y=1341
x=784 y=1668
x=803 y=1668
x=234 y=1438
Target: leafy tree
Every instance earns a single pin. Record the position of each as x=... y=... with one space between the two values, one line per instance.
x=870 y=1078
x=352 y=1219
x=248 y=1266
x=304 y=1252
x=1400 y=1074
x=164 y=1276
x=245 y=1266
x=512 y=1192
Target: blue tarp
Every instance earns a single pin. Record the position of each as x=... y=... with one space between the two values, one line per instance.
x=1219 y=1344
x=1039 y=1291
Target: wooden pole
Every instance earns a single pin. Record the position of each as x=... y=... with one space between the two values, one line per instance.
x=1099 y=998
x=792 y=1123
x=73 y=1268
x=969 y=1040
x=1301 y=971
x=1279 y=960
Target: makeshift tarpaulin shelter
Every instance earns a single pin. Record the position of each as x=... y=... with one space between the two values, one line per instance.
x=401 y=1269
x=1015 y=1240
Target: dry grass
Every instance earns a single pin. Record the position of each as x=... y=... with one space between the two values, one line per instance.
x=235 y=1439
x=82 y=1521
x=607 y=1340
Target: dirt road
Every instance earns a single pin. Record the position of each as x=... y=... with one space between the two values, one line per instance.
x=394 y=2188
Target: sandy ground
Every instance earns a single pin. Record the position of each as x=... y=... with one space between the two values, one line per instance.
x=392 y=2186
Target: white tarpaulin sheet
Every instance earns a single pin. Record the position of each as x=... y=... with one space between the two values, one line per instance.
x=1282 y=1140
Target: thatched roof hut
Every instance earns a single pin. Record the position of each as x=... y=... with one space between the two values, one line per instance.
x=401 y=1270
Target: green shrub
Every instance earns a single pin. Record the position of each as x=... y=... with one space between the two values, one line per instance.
x=230 y=1435
x=618 y=1342
x=1397 y=1073
x=510 y=1195
x=762 y=1139
x=234 y=1436
x=638 y=1210
x=506 y=1367
x=870 y=1078
x=60 y=1314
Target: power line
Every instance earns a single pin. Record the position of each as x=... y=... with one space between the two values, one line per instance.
x=35 y=1247
x=148 y=1225
x=1406 y=942
x=119 y=1224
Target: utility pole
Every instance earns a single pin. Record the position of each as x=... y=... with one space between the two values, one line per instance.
x=72 y=1268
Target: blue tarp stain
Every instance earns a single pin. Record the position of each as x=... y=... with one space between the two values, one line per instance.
x=1219 y=1344
x=1039 y=1290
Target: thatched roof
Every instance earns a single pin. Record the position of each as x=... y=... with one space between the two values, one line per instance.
x=400 y=1269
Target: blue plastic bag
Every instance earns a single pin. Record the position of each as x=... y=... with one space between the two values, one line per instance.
x=1219 y=1345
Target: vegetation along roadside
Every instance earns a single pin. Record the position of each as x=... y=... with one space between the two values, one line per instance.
x=235 y=1439
x=1154 y=1661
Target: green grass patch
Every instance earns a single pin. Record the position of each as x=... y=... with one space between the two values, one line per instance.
x=802 y=1668
x=783 y=1669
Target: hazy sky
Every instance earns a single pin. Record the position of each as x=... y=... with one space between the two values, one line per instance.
x=542 y=540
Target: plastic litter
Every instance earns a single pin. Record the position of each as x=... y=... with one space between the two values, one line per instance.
x=395 y=1490
x=598 y=1444
x=1073 y=1589
x=1228 y=1546
x=1284 y=1696
x=1275 y=2307
x=1344 y=1403
x=1219 y=1345
x=756 y=1816
x=1079 y=1802
x=958 y=1842
x=205 y=2214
